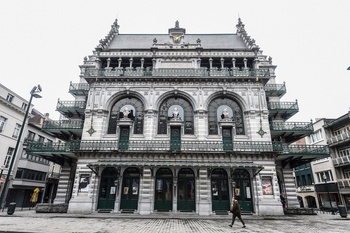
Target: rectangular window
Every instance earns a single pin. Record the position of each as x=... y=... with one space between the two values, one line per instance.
x=328 y=174
x=8 y=157
x=31 y=136
x=316 y=136
x=24 y=106
x=16 y=131
x=347 y=174
x=2 y=123
x=9 y=97
x=41 y=139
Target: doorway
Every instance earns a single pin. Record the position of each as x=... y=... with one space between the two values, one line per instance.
x=175 y=138
x=242 y=189
x=163 y=190
x=227 y=138
x=106 y=197
x=186 y=190
x=219 y=190
x=130 y=189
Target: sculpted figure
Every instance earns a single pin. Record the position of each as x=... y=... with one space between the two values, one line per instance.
x=126 y=112
x=175 y=113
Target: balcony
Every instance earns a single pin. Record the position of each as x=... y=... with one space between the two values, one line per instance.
x=71 y=109
x=63 y=129
x=275 y=89
x=284 y=110
x=339 y=140
x=185 y=146
x=290 y=131
x=344 y=183
x=113 y=74
x=341 y=161
x=79 y=89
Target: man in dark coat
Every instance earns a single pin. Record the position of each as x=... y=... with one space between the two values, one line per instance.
x=236 y=212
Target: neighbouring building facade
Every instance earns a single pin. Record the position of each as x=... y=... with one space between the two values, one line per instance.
x=29 y=171
x=338 y=135
x=177 y=122
x=312 y=189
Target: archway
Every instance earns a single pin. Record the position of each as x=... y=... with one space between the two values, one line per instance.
x=130 y=189
x=186 y=190
x=107 y=192
x=242 y=189
x=219 y=190
x=163 y=190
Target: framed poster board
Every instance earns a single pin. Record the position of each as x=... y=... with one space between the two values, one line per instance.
x=267 y=185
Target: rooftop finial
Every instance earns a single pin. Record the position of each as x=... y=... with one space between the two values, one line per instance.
x=177 y=24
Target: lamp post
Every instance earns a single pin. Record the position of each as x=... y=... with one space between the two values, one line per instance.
x=33 y=93
x=329 y=196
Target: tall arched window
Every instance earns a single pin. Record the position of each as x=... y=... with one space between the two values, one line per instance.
x=185 y=113
x=215 y=111
x=136 y=109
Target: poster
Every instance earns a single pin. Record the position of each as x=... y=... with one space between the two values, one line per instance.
x=84 y=182
x=237 y=192
x=267 y=186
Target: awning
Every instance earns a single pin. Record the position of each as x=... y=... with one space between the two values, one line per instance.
x=174 y=163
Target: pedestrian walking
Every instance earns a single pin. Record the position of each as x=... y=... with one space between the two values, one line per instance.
x=236 y=212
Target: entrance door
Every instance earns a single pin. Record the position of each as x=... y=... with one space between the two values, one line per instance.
x=107 y=191
x=175 y=138
x=163 y=191
x=130 y=189
x=124 y=138
x=242 y=189
x=227 y=138
x=186 y=190
x=219 y=190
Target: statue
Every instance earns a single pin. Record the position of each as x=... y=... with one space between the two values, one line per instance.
x=126 y=112
x=224 y=114
x=176 y=113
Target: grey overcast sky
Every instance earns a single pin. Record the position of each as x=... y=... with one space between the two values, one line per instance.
x=43 y=42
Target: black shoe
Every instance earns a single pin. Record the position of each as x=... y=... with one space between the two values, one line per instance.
x=243 y=226
x=230 y=225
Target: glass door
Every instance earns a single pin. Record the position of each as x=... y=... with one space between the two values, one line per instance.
x=130 y=189
x=107 y=190
x=163 y=190
x=186 y=190
x=219 y=190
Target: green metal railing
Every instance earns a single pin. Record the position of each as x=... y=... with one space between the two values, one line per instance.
x=186 y=146
x=283 y=105
x=291 y=126
x=279 y=89
x=184 y=72
x=63 y=124
x=73 y=87
x=64 y=105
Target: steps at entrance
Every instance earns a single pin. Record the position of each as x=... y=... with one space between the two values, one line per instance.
x=127 y=211
x=221 y=212
x=104 y=211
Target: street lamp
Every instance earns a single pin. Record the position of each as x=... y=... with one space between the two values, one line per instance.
x=33 y=93
x=329 y=196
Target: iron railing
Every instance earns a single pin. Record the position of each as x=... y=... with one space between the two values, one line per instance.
x=63 y=124
x=63 y=105
x=339 y=138
x=283 y=105
x=184 y=72
x=291 y=126
x=279 y=89
x=185 y=146
x=78 y=87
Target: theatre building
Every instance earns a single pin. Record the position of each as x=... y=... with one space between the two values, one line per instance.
x=177 y=122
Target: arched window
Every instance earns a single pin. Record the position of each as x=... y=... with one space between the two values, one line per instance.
x=134 y=106
x=215 y=112
x=166 y=113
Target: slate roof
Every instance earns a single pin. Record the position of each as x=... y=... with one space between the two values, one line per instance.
x=208 y=41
